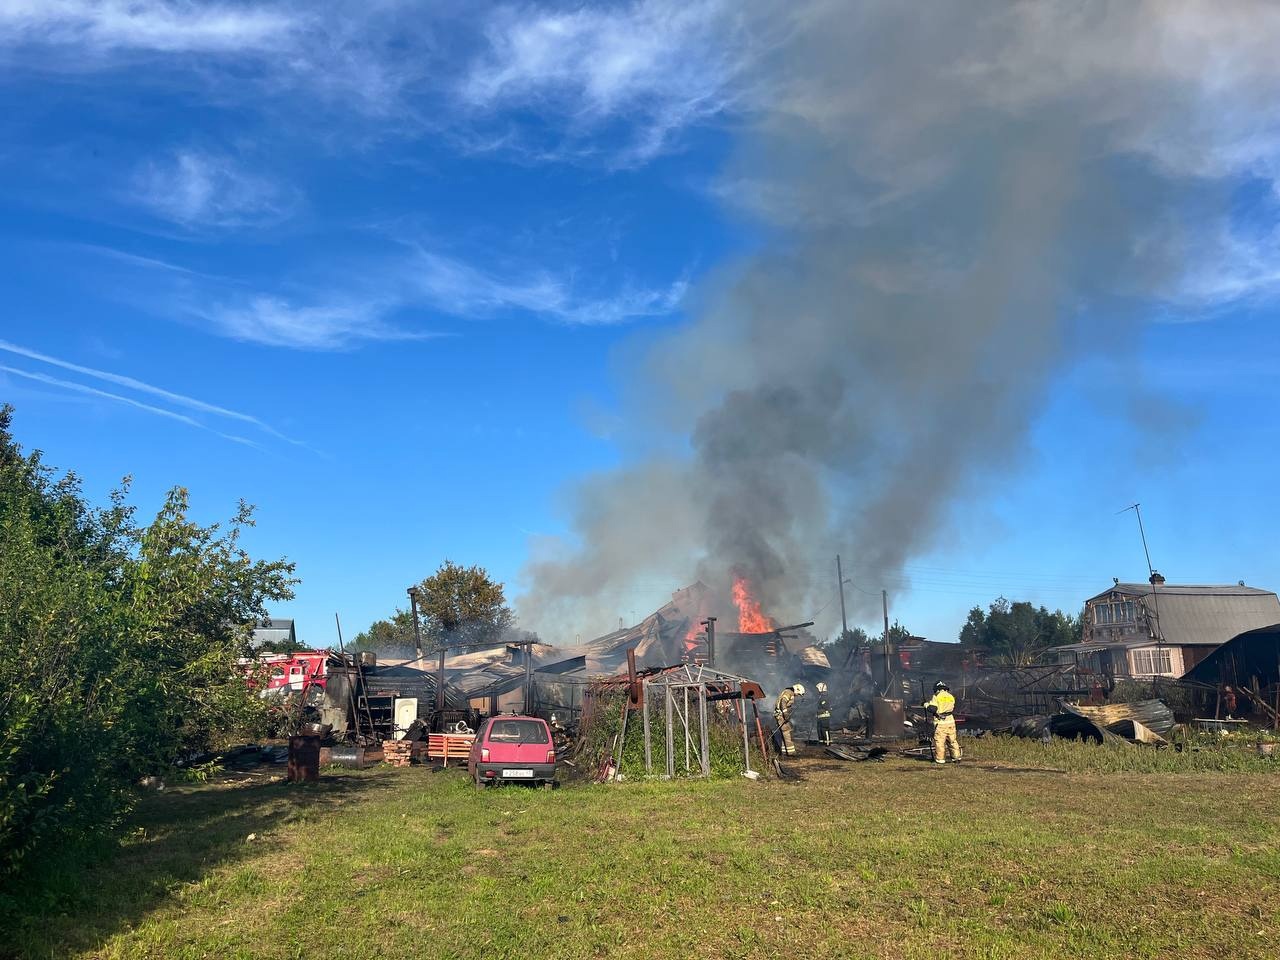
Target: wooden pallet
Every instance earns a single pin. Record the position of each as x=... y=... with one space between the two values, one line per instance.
x=447 y=746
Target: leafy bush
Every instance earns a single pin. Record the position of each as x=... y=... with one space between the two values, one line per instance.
x=118 y=645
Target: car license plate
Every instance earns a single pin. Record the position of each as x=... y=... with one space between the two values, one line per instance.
x=514 y=774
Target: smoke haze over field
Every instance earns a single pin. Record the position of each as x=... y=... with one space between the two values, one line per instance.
x=959 y=202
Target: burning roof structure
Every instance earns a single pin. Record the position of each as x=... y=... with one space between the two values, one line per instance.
x=675 y=634
x=666 y=636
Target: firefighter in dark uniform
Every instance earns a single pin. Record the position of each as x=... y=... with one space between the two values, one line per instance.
x=824 y=714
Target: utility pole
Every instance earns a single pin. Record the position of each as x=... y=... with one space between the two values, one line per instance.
x=844 y=620
x=884 y=601
x=417 y=627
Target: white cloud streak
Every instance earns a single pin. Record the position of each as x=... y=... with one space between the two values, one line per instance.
x=191 y=403
x=458 y=288
x=647 y=68
x=278 y=322
x=101 y=27
x=128 y=401
x=429 y=281
x=197 y=189
x=661 y=65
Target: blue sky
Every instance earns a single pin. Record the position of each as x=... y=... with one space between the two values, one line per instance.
x=385 y=270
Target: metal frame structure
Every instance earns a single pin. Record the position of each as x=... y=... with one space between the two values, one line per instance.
x=684 y=690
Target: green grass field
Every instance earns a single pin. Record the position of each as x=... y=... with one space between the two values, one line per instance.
x=898 y=859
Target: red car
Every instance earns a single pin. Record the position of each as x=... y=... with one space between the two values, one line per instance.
x=513 y=749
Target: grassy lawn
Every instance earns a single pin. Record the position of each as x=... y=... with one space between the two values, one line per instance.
x=898 y=859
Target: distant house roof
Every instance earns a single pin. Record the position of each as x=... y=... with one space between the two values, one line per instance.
x=1199 y=615
x=273 y=632
x=1188 y=590
x=1255 y=654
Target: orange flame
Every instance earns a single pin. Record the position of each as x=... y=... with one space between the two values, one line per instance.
x=693 y=638
x=750 y=618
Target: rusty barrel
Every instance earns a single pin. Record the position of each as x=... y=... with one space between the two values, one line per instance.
x=304 y=759
x=887 y=718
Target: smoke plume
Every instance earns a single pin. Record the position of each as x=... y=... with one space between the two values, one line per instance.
x=956 y=202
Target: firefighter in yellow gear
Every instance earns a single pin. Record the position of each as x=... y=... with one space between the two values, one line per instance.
x=823 y=716
x=782 y=708
x=942 y=707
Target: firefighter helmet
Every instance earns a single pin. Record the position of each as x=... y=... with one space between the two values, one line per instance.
x=798 y=688
x=941 y=685
x=821 y=687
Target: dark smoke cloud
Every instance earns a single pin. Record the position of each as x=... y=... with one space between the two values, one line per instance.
x=960 y=200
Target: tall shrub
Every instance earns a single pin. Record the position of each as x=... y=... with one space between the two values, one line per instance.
x=118 y=645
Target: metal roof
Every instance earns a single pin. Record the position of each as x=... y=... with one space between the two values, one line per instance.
x=1185 y=589
x=1198 y=615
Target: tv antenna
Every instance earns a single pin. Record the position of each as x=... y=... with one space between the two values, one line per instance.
x=1151 y=572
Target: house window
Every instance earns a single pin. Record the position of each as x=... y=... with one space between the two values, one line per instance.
x=1105 y=614
x=1152 y=662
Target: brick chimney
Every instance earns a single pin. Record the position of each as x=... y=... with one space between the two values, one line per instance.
x=1157 y=578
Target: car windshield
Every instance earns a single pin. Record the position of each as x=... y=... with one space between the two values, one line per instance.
x=518 y=731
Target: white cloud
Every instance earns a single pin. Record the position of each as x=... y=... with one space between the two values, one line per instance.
x=460 y=289
x=177 y=399
x=650 y=68
x=1227 y=269
x=166 y=26
x=128 y=401
x=196 y=189
x=277 y=322
x=357 y=56
x=659 y=64
x=428 y=281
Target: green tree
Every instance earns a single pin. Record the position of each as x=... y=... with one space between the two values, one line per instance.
x=897 y=633
x=974 y=631
x=118 y=649
x=461 y=605
x=1018 y=633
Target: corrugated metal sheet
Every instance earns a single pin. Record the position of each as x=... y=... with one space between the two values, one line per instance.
x=1152 y=714
x=1212 y=619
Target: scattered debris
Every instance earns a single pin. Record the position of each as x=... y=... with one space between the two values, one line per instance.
x=1144 y=721
x=858 y=754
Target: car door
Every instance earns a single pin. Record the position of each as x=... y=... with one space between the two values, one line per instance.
x=473 y=756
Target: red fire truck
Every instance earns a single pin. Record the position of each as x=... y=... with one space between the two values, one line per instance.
x=290 y=672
